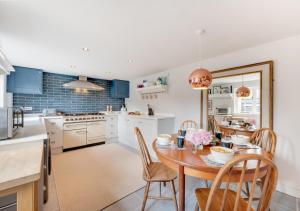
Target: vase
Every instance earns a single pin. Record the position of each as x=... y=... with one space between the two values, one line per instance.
x=197 y=147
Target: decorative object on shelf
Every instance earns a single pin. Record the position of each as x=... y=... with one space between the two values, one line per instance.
x=216 y=90
x=200 y=79
x=150 y=110
x=243 y=91
x=198 y=137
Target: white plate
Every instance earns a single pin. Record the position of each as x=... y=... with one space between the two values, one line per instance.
x=212 y=158
x=164 y=143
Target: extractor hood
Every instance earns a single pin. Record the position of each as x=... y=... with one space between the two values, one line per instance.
x=83 y=84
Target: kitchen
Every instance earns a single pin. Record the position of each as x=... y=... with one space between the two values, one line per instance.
x=31 y=100
x=103 y=102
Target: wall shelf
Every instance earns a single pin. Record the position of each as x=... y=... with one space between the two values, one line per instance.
x=153 y=89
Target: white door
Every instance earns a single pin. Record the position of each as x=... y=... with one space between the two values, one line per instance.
x=123 y=130
x=74 y=138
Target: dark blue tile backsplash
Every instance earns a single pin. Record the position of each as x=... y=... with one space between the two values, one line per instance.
x=67 y=100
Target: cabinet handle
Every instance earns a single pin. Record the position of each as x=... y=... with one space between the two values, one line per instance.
x=80 y=132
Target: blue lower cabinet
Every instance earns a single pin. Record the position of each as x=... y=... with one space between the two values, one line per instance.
x=120 y=89
x=25 y=81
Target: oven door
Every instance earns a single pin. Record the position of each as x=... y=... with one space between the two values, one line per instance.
x=96 y=132
x=74 y=138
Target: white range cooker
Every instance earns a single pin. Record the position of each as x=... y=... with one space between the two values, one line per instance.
x=83 y=129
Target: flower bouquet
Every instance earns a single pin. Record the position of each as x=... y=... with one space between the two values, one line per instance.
x=198 y=137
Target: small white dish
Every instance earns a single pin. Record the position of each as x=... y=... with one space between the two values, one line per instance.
x=164 y=139
x=240 y=139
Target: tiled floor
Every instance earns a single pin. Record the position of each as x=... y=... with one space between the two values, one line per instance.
x=133 y=202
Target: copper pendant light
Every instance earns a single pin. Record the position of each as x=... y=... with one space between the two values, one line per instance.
x=243 y=91
x=200 y=79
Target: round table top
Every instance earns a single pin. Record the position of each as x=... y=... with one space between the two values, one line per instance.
x=193 y=161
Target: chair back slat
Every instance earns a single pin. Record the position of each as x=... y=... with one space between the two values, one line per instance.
x=239 y=187
x=144 y=153
x=265 y=138
x=261 y=168
x=189 y=124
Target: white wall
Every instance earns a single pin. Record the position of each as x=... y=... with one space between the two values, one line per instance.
x=184 y=102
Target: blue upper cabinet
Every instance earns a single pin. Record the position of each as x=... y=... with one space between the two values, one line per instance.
x=25 y=81
x=120 y=89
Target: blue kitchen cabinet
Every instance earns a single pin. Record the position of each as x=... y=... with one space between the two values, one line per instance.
x=120 y=89
x=25 y=81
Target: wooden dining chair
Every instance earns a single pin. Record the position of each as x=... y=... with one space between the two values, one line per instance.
x=265 y=138
x=188 y=124
x=217 y=198
x=154 y=172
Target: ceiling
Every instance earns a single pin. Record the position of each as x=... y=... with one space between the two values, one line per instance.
x=237 y=78
x=131 y=38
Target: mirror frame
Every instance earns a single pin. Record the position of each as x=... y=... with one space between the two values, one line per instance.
x=266 y=71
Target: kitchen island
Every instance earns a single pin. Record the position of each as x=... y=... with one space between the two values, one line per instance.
x=21 y=175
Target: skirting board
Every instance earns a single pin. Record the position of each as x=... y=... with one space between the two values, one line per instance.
x=288 y=189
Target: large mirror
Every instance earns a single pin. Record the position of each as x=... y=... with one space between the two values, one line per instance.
x=239 y=100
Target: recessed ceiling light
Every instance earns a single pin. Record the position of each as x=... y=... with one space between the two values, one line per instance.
x=86 y=49
x=130 y=60
x=72 y=66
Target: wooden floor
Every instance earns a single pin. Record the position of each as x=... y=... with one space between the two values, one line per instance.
x=133 y=202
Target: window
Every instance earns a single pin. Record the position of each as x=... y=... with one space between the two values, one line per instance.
x=249 y=105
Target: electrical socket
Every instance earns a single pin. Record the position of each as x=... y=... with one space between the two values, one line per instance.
x=27 y=108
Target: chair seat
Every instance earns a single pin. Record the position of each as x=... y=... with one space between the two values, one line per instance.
x=203 y=193
x=160 y=172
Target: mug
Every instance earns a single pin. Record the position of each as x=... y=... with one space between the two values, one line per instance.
x=182 y=132
x=227 y=144
x=219 y=135
x=180 y=141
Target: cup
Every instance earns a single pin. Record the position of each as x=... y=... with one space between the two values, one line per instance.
x=219 y=135
x=182 y=132
x=227 y=144
x=180 y=141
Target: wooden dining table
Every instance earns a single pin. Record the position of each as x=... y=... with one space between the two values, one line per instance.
x=186 y=162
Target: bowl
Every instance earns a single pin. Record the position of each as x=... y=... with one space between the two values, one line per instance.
x=164 y=139
x=240 y=139
x=222 y=154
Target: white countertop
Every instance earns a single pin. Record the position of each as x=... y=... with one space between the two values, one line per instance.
x=33 y=130
x=155 y=117
x=20 y=163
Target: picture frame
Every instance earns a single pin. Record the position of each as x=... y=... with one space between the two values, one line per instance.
x=225 y=90
x=216 y=89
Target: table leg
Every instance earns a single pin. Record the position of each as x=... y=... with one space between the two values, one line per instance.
x=181 y=189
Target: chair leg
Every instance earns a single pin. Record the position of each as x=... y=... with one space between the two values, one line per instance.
x=196 y=207
x=145 y=195
x=247 y=189
x=159 y=189
x=206 y=183
x=174 y=195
